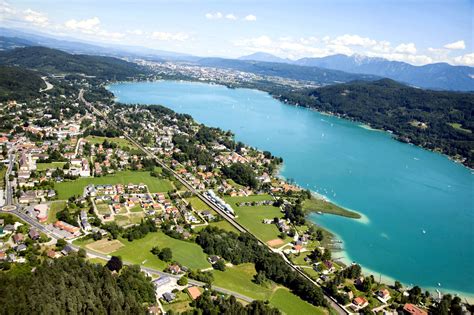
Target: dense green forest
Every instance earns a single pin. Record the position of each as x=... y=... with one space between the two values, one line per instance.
x=435 y=120
x=207 y=304
x=59 y=62
x=76 y=286
x=19 y=84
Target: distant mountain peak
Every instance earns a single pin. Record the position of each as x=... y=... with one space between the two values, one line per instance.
x=265 y=57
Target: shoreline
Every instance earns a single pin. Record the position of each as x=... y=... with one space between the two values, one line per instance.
x=361 y=123
x=345 y=257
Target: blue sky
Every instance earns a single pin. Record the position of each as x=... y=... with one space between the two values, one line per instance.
x=418 y=32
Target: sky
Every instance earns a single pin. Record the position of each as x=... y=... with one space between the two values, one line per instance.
x=417 y=32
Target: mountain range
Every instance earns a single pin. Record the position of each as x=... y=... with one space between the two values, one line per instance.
x=438 y=76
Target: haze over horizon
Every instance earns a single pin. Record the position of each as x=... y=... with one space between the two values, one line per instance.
x=237 y=28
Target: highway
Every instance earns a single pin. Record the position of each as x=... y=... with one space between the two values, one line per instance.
x=331 y=301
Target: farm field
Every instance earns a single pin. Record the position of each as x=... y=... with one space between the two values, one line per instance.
x=70 y=188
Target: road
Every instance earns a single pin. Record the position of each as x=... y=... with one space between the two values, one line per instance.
x=91 y=253
x=331 y=301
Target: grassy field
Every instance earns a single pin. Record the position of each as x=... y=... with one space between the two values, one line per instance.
x=45 y=166
x=180 y=304
x=97 y=261
x=459 y=127
x=239 y=279
x=105 y=246
x=71 y=188
x=314 y=205
x=186 y=253
x=103 y=208
x=123 y=143
x=54 y=208
x=291 y=304
x=198 y=204
x=252 y=217
x=136 y=209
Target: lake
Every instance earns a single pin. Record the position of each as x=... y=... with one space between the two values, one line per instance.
x=417 y=206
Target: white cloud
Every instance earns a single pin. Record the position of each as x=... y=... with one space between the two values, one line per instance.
x=6 y=9
x=214 y=16
x=250 y=18
x=135 y=32
x=353 y=40
x=467 y=60
x=35 y=18
x=231 y=16
x=87 y=26
x=382 y=46
x=403 y=48
x=456 y=45
x=110 y=35
x=165 y=36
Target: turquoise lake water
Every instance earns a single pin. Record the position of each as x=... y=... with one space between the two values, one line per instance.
x=418 y=206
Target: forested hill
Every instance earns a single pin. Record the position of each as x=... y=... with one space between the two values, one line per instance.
x=294 y=72
x=72 y=285
x=432 y=119
x=59 y=62
x=19 y=84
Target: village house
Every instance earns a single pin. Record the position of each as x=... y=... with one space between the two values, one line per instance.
x=359 y=303
x=413 y=310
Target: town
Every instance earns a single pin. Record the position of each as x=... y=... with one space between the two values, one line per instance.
x=128 y=184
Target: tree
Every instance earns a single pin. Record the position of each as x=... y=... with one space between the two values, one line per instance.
x=183 y=281
x=397 y=285
x=114 y=264
x=82 y=253
x=219 y=265
x=166 y=254
x=60 y=244
x=259 y=277
x=155 y=250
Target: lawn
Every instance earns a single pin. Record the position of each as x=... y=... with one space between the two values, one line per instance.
x=54 y=208
x=314 y=205
x=122 y=220
x=97 y=261
x=291 y=304
x=186 y=253
x=103 y=208
x=70 y=188
x=121 y=142
x=239 y=279
x=136 y=217
x=180 y=304
x=136 y=209
x=252 y=217
x=459 y=127
x=198 y=204
x=46 y=166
